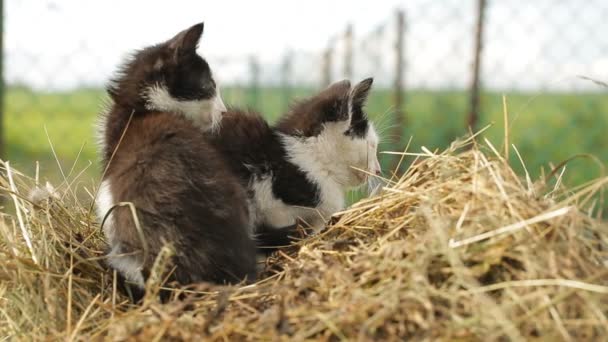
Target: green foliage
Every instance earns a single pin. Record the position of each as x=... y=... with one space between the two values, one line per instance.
x=546 y=128
x=69 y=119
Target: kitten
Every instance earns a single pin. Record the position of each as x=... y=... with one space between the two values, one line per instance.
x=182 y=188
x=168 y=77
x=301 y=167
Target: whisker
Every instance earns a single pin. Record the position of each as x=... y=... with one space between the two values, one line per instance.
x=384 y=118
x=389 y=111
x=387 y=126
x=385 y=132
x=391 y=136
x=387 y=139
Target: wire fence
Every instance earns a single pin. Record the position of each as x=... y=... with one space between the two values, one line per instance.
x=475 y=48
x=538 y=46
x=455 y=54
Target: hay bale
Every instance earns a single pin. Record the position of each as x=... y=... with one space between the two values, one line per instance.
x=459 y=247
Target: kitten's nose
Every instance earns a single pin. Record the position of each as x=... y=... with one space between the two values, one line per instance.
x=378 y=168
x=219 y=104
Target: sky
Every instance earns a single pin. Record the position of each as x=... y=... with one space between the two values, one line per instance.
x=545 y=44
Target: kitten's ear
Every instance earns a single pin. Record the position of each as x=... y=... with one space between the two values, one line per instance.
x=186 y=42
x=358 y=98
x=360 y=92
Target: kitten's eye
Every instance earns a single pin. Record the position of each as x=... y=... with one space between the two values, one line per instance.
x=207 y=87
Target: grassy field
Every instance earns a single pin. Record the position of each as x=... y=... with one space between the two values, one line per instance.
x=546 y=128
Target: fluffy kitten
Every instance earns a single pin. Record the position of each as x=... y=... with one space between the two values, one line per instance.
x=301 y=167
x=181 y=186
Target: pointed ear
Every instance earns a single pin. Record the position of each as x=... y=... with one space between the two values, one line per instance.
x=358 y=97
x=186 y=41
x=360 y=92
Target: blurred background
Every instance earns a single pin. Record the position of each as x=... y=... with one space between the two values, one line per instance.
x=441 y=68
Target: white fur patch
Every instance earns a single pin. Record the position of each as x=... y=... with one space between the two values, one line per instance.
x=269 y=209
x=207 y=114
x=372 y=152
x=127 y=265
x=218 y=102
x=323 y=158
x=328 y=160
x=104 y=203
x=275 y=213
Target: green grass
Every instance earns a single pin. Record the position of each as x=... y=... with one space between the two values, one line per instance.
x=69 y=119
x=546 y=128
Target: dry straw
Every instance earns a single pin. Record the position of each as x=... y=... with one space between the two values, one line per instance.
x=458 y=248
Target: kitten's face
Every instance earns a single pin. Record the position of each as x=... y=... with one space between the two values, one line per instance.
x=172 y=77
x=364 y=156
x=359 y=143
x=331 y=135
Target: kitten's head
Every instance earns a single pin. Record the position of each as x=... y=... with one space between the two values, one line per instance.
x=171 y=77
x=330 y=134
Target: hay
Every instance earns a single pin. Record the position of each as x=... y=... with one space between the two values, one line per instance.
x=459 y=247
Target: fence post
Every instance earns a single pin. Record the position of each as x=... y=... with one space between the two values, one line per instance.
x=399 y=85
x=254 y=85
x=286 y=79
x=348 y=52
x=2 y=88
x=326 y=66
x=473 y=118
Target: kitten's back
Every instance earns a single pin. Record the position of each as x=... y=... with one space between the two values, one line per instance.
x=181 y=198
x=247 y=142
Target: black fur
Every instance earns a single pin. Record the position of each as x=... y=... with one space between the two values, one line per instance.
x=306 y=118
x=269 y=239
x=359 y=122
x=254 y=150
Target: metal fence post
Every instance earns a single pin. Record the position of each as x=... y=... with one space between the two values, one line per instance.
x=2 y=89
x=473 y=118
x=398 y=86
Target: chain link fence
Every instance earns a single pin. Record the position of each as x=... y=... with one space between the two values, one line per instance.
x=421 y=56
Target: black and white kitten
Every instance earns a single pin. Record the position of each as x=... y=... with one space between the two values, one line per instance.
x=183 y=189
x=302 y=167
